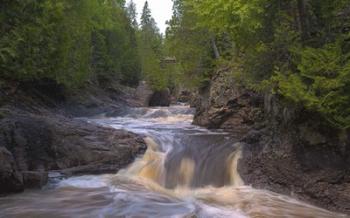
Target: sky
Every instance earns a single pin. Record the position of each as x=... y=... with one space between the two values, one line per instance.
x=161 y=11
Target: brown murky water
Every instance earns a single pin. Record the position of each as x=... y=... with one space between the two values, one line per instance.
x=187 y=171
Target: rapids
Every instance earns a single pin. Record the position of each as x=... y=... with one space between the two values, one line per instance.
x=187 y=171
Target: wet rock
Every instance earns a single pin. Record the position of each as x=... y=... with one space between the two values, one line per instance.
x=35 y=179
x=10 y=179
x=144 y=93
x=147 y=97
x=37 y=144
x=160 y=98
x=38 y=133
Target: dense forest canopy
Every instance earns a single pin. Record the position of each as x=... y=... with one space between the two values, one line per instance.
x=72 y=42
x=67 y=41
x=299 y=49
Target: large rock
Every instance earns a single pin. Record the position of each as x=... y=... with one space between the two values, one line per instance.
x=287 y=149
x=298 y=154
x=147 y=97
x=10 y=179
x=144 y=93
x=31 y=145
x=160 y=98
x=112 y=100
x=223 y=105
x=38 y=133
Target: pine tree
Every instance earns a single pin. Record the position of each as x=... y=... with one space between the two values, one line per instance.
x=146 y=16
x=150 y=46
x=132 y=14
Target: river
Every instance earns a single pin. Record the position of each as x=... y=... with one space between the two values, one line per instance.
x=187 y=171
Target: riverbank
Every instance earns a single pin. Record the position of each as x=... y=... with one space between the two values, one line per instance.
x=39 y=132
x=287 y=149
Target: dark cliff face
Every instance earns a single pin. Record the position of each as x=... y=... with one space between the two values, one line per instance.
x=287 y=149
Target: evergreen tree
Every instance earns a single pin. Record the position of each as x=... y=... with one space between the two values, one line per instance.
x=67 y=41
x=132 y=14
x=150 y=45
x=146 y=16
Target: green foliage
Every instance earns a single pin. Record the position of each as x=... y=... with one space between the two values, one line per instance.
x=67 y=41
x=190 y=44
x=322 y=83
x=297 y=48
x=132 y=13
x=150 y=50
x=240 y=18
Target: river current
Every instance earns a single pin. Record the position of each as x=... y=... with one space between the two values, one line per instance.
x=187 y=171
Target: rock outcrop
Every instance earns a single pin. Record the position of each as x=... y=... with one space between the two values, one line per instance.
x=147 y=97
x=160 y=98
x=38 y=134
x=224 y=105
x=287 y=149
x=185 y=96
x=144 y=93
x=295 y=152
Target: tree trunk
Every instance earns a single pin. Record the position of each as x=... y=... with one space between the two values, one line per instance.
x=215 y=48
x=303 y=20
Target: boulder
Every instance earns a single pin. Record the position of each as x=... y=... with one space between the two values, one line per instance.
x=143 y=93
x=160 y=98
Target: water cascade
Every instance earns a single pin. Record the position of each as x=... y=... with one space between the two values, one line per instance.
x=187 y=171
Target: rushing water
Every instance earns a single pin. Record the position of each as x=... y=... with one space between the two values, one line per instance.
x=186 y=171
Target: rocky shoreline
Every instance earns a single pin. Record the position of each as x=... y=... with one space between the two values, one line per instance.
x=287 y=149
x=38 y=133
